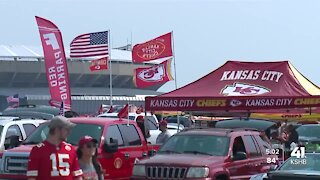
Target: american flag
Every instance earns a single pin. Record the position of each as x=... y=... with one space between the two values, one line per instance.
x=91 y=44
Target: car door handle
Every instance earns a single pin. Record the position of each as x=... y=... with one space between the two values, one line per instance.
x=126 y=156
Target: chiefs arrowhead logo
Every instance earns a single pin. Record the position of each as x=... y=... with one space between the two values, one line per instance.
x=235 y=103
x=242 y=89
x=153 y=74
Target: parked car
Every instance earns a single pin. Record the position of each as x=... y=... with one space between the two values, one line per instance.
x=309 y=136
x=203 y=154
x=186 y=122
x=120 y=145
x=14 y=130
x=32 y=111
x=267 y=126
x=152 y=123
x=294 y=169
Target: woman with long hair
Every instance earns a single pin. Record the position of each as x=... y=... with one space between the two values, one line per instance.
x=87 y=155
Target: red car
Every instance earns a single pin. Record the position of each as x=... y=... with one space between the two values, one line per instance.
x=204 y=154
x=116 y=158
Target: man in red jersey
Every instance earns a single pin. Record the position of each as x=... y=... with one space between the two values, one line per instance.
x=54 y=158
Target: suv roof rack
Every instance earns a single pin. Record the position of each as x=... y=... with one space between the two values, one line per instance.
x=194 y=128
x=224 y=130
x=244 y=129
x=28 y=105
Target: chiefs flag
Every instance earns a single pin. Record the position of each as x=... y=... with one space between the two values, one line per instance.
x=149 y=76
x=99 y=64
x=55 y=62
x=157 y=48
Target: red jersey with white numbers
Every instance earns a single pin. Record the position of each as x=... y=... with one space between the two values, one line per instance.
x=50 y=162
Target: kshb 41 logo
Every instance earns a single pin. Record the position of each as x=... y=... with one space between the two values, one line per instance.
x=299 y=154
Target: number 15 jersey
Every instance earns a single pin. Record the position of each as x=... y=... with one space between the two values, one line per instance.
x=50 y=162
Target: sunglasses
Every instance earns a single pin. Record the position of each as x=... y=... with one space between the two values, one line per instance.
x=91 y=145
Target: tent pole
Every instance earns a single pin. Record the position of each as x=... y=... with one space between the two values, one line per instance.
x=178 y=121
x=310 y=110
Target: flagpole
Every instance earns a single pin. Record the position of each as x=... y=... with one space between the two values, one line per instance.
x=110 y=65
x=174 y=63
x=175 y=76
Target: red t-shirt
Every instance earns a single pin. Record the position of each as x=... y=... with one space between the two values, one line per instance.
x=49 y=162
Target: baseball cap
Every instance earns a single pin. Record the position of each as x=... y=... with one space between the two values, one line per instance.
x=60 y=122
x=163 y=123
x=140 y=118
x=86 y=139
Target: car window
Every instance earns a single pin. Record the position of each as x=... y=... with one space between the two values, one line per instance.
x=39 y=135
x=152 y=123
x=80 y=130
x=1 y=128
x=309 y=131
x=12 y=136
x=197 y=144
x=14 y=130
x=183 y=120
x=252 y=149
x=114 y=133
x=238 y=146
x=130 y=134
x=263 y=141
x=28 y=128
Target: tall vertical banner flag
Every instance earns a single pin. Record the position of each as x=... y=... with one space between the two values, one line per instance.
x=149 y=76
x=55 y=63
x=157 y=48
x=89 y=45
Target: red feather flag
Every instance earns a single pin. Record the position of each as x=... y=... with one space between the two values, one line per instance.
x=124 y=112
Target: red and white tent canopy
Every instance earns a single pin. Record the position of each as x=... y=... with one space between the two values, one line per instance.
x=242 y=86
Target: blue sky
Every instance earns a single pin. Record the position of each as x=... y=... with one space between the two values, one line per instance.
x=206 y=32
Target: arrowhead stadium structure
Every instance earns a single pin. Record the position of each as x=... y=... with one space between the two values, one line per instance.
x=22 y=71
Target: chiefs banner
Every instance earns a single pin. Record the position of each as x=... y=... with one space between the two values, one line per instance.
x=55 y=62
x=149 y=76
x=237 y=103
x=157 y=48
x=99 y=64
